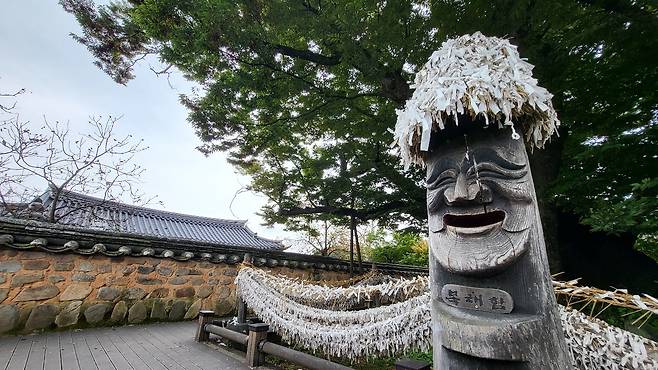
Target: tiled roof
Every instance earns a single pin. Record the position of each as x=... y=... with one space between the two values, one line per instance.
x=94 y=213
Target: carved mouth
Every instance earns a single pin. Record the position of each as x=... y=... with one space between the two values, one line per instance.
x=477 y=223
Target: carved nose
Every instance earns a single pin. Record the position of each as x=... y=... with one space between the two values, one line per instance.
x=465 y=193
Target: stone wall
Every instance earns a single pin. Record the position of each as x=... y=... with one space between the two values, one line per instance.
x=43 y=290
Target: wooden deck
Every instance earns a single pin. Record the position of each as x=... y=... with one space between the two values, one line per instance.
x=142 y=347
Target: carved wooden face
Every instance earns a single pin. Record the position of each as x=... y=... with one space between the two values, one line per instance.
x=480 y=203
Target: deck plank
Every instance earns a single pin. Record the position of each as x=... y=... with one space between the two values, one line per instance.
x=128 y=335
x=37 y=355
x=53 y=356
x=157 y=339
x=101 y=358
x=7 y=347
x=82 y=351
x=126 y=350
x=19 y=357
x=162 y=356
x=116 y=356
x=67 y=351
x=182 y=334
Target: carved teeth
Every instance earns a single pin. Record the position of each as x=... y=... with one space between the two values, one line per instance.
x=478 y=230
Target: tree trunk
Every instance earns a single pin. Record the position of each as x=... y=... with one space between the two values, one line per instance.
x=358 y=246
x=56 y=192
x=351 y=246
x=545 y=167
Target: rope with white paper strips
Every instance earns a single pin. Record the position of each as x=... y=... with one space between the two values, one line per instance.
x=405 y=326
x=343 y=298
x=387 y=330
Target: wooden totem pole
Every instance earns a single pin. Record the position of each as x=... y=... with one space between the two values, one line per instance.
x=493 y=305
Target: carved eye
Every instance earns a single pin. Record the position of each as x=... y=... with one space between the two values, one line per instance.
x=444 y=178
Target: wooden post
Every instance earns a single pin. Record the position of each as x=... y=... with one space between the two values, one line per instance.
x=242 y=311
x=205 y=317
x=493 y=305
x=407 y=364
x=257 y=334
x=358 y=246
x=351 y=246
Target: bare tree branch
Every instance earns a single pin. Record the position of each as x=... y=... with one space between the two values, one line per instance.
x=96 y=162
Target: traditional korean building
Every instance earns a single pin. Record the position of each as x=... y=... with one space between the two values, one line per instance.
x=88 y=212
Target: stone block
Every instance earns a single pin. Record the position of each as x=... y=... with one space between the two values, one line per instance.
x=69 y=315
x=96 y=313
x=86 y=266
x=63 y=266
x=204 y=291
x=196 y=281
x=56 y=278
x=8 y=317
x=145 y=280
x=31 y=255
x=119 y=312
x=3 y=278
x=22 y=279
x=134 y=293
x=36 y=264
x=145 y=269
x=178 y=281
x=187 y=271
x=185 y=292
x=10 y=266
x=63 y=258
x=164 y=271
x=159 y=293
x=41 y=317
x=37 y=293
x=223 y=292
x=127 y=270
x=75 y=292
x=4 y=292
x=84 y=277
x=104 y=268
x=159 y=310
x=108 y=293
x=193 y=311
x=224 y=308
x=230 y=271
x=113 y=280
x=137 y=313
x=178 y=310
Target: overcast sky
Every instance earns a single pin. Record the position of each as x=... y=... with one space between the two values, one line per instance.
x=37 y=53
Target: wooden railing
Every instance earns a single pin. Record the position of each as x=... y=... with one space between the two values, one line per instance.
x=258 y=345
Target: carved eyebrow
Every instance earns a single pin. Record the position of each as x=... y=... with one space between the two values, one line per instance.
x=438 y=167
x=482 y=155
x=436 y=181
x=497 y=170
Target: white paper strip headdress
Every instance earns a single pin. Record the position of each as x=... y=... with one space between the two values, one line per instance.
x=473 y=75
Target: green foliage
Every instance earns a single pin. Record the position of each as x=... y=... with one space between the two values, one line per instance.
x=638 y=211
x=406 y=248
x=300 y=94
